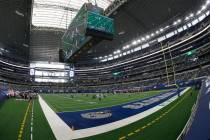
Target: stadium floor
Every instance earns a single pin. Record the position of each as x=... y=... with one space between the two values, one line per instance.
x=11 y=119
x=77 y=102
x=118 y=112
x=16 y=121
x=108 y=127
x=165 y=124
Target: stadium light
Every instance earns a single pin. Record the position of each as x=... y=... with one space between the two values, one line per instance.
x=167 y=27
x=207 y=13
x=187 y=18
x=178 y=21
x=134 y=42
x=104 y=60
x=139 y=40
x=203 y=7
x=147 y=37
x=198 y=12
x=191 y=15
x=126 y=47
x=116 y=52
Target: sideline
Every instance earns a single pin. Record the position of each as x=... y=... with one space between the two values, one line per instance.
x=32 y=120
x=20 y=134
x=60 y=129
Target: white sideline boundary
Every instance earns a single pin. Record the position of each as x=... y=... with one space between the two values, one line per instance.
x=63 y=132
x=60 y=129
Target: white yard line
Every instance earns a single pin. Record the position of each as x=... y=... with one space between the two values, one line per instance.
x=32 y=120
x=60 y=129
x=63 y=132
x=106 y=105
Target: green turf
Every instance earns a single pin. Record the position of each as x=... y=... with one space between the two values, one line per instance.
x=11 y=116
x=167 y=128
x=64 y=102
x=42 y=130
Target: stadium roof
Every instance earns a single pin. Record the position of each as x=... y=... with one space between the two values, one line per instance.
x=137 y=18
x=59 y=13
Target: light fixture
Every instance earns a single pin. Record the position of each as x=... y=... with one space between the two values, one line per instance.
x=134 y=42
x=175 y=23
x=179 y=20
x=118 y=51
x=203 y=7
x=191 y=15
x=198 y=12
x=187 y=18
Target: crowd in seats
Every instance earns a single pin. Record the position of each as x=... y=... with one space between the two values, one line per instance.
x=163 y=68
x=154 y=48
x=153 y=67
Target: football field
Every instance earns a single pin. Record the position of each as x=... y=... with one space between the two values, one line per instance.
x=15 y=113
x=78 y=102
x=165 y=124
x=16 y=121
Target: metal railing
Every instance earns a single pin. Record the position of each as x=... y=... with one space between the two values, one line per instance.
x=192 y=116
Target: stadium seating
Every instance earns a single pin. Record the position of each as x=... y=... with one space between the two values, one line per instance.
x=143 y=68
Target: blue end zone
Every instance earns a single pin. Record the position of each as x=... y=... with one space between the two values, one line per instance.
x=118 y=112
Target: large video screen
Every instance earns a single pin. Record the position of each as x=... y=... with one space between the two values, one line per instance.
x=55 y=72
x=100 y=23
x=89 y=22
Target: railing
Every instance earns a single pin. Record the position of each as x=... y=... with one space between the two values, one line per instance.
x=192 y=116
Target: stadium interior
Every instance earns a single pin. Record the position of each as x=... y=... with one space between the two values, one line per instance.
x=104 y=69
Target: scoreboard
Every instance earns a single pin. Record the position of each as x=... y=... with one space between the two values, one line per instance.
x=51 y=72
x=102 y=25
x=88 y=23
